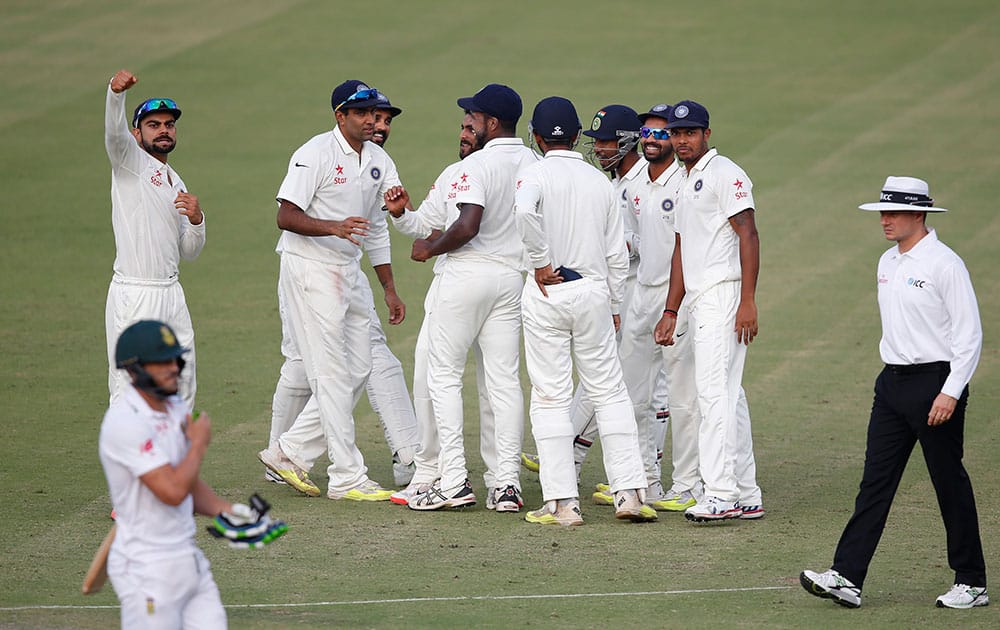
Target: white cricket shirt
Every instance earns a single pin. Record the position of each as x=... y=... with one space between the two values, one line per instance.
x=151 y=236
x=567 y=215
x=626 y=192
x=929 y=310
x=715 y=190
x=328 y=180
x=488 y=180
x=134 y=440
x=657 y=212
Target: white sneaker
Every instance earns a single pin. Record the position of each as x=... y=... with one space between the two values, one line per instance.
x=273 y=477
x=564 y=512
x=713 y=509
x=964 y=596
x=833 y=585
x=491 y=499
x=629 y=506
x=434 y=498
x=506 y=499
x=402 y=497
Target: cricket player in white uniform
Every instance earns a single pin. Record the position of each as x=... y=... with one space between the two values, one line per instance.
x=572 y=231
x=156 y=223
x=435 y=214
x=714 y=270
x=642 y=358
x=479 y=301
x=330 y=202
x=386 y=385
x=151 y=451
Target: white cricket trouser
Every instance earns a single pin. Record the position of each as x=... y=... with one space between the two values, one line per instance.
x=167 y=594
x=477 y=301
x=642 y=360
x=329 y=321
x=725 y=444
x=386 y=383
x=428 y=453
x=584 y=422
x=131 y=300
x=685 y=417
x=387 y=391
x=574 y=323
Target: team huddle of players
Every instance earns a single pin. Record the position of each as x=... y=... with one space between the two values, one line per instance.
x=602 y=257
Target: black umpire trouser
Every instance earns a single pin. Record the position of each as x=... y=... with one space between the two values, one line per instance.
x=903 y=399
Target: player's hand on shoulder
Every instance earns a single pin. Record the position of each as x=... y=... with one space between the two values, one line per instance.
x=187 y=204
x=122 y=81
x=199 y=429
x=350 y=228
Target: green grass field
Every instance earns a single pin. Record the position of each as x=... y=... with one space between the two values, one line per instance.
x=817 y=101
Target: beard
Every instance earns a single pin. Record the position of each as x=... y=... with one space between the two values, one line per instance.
x=162 y=149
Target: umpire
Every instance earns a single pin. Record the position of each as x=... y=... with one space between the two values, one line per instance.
x=931 y=341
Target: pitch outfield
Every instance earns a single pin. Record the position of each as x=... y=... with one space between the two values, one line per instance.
x=817 y=101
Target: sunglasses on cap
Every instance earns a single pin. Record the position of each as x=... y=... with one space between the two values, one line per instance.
x=360 y=95
x=656 y=133
x=151 y=106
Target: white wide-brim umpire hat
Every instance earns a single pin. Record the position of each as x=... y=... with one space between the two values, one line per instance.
x=904 y=194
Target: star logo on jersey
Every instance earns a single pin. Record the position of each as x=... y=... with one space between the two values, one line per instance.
x=636 y=200
x=454 y=185
x=464 y=178
x=156 y=179
x=738 y=184
x=518 y=187
x=147 y=447
x=340 y=169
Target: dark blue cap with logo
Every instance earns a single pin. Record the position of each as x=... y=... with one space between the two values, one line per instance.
x=555 y=118
x=353 y=94
x=661 y=110
x=688 y=114
x=383 y=103
x=611 y=121
x=496 y=100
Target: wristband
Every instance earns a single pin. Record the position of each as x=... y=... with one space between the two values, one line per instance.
x=671 y=311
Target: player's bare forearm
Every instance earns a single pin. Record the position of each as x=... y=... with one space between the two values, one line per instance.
x=397 y=309
x=293 y=219
x=746 y=325
x=206 y=502
x=172 y=484
x=463 y=230
x=675 y=293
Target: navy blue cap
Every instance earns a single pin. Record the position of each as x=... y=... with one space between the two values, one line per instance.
x=353 y=94
x=383 y=103
x=555 y=118
x=688 y=114
x=661 y=110
x=496 y=100
x=611 y=121
x=155 y=106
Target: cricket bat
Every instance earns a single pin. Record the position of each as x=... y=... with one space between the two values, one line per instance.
x=97 y=574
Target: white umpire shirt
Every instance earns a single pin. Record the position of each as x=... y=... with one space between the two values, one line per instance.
x=328 y=180
x=134 y=440
x=929 y=310
x=657 y=212
x=567 y=216
x=151 y=236
x=487 y=180
x=715 y=190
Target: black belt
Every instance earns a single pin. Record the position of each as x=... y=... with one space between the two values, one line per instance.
x=918 y=368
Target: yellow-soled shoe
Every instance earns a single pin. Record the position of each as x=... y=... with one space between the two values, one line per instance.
x=603 y=495
x=279 y=464
x=367 y=491
x=566 y=513
x=530 y=461
x=675 y=503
